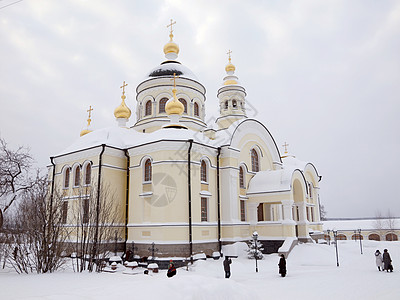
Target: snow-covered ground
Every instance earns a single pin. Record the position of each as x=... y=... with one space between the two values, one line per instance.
x=312 y=274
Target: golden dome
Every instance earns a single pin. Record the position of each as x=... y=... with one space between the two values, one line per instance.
x=171 y=46
x=85 y=131
x=230 y=68
x=174 y=106
x=230 y=81
x=122 y=111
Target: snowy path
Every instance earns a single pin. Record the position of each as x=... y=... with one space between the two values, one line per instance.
x=312 y=274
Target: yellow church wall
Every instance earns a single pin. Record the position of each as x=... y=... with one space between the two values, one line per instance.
x=269 y=198
x=227 y=122
x=160 y=234
x=246 y=144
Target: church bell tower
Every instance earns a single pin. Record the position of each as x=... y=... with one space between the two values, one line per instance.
x=231 y=98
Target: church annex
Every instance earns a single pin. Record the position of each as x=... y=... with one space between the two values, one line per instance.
x=184 y=185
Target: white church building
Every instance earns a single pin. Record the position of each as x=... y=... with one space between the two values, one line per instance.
x=183 y=185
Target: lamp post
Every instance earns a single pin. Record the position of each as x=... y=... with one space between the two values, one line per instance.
x=337 y=254
x=329 y=236
x=359 y=234
x=255 y=237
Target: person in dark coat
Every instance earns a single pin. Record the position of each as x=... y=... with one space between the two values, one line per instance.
x=387 y=261
x=171 y=269
x=227 y=266
x=282 y=266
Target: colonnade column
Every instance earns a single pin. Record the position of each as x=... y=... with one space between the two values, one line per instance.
x=289 y=225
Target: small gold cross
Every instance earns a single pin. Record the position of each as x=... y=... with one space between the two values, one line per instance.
x=123 y=88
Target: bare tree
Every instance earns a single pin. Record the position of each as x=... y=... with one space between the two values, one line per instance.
x=379 y=224
x=322 y=212
x=96 y=217
x=390 y=223
x=36 y=240
x=15 y=166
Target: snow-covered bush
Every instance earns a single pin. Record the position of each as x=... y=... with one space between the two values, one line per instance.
x=254 y=251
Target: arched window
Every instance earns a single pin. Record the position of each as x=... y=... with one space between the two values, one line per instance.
x=357 y=236
x=203 y=171
x=183 y=101
x=341 y=237
x=374 y=237
x=391 y=237
x=255 y=166
x=196 y=109
x=234 y=104
x=66 y=177
x=161 y=106
x=147 y=170
x=226 y=104
x=241 y=177
x=88 y=174
x=148 y=108
x=77 y=176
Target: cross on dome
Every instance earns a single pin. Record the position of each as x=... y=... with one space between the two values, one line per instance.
x=123 y=88
x=89 y=111
x=285 y=146
x=170 y=25
x=229 y=54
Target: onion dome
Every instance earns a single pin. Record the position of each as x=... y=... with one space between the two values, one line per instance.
x=174 y=106
x=230 y=70
x=171 y=49
x=122 y=111
x=85 y=131
x=230 y=67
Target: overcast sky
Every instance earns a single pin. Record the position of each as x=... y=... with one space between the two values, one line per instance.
x=323 y=76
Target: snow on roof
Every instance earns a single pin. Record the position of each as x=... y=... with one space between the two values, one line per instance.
x=363 y=224
x=275 y=180
x=125 y=138
x=168 y=68
x=270 y=181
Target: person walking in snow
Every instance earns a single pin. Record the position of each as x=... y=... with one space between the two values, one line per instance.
x=387 y=261
x=227 y=266
x=379 y=260
x=171 y=269
x=282 y=266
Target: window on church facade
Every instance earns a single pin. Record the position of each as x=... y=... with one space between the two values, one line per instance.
x=64 y=212
x=310 y=189
x=203 y=171
x=374 y=237
x=260 y=212
x=255 y=166
x=161 y=106
x=85 y=211
x=196 y=109
x=77 y=176
x=183 y=101
x=147 y=170
x=88 y=174
x=234 y=104
x=242 y=210
x=148 y=108
x=241 y=178
x=226 y=104
x=391 y=237
x=357 y=237
x=204 y=209
x=66 y=177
